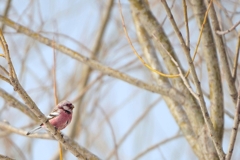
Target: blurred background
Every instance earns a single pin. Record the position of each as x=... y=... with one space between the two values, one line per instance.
x=112 y=119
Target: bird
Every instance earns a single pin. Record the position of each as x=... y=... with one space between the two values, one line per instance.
x=60 y=116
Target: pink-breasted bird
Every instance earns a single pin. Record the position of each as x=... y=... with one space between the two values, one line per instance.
x=60 y=117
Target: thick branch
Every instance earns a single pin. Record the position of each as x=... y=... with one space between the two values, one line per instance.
x=166 y=90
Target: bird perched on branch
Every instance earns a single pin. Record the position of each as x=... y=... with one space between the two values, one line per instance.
x=60 y=117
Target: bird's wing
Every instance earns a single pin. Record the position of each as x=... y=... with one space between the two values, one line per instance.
x=52 y=115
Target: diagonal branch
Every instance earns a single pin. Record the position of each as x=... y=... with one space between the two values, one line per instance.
x=80 y=149
x=33 y=107
x=234 y=129
x=166 y=90
x=11 y=101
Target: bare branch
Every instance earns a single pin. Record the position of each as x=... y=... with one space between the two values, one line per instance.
x=5 y=79
x=171 y=92
x=11 y=101
x=186 y=24
x=234 y=129
x=85 y=153
x=10 y=129
x=156 y=145
x=234 y=72
x=2 y=157
x=228 y=30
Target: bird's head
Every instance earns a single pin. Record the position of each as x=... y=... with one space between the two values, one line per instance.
x=66 y=106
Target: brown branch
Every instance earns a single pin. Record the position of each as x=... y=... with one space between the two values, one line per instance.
x=156 y=146
x=132 y=127
x=8 y=128
x=54 y=78
x=228 y=30
x=6 y=11
x=234 y=72
x=234 y=129
x=112 y=132
x=4 y=70
x=186 y=24
x=2 y=157
x=5 y=79
x=229 y=114
x=85 y=153
x=11 y=101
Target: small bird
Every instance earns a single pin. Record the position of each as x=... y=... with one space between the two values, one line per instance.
x=60 y=117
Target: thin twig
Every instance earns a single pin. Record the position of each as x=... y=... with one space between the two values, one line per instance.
x=4 y=70
x=186 y=24
x=112 y=132
x=234 y=72
x=54 y=78
x=132 y=127
x=5 y=79
x=6 y=11
x=56 y=96
x=2 y=55
x=200 y=34
x=228 y=30
x=8 y=128
x=86 y=88
x=12 y=101
x=60 y=151
x=157 y=145
x=185 y=81
x=234 y=129
x=228 y=114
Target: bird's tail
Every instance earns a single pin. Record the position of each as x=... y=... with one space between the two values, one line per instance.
x=35 y=129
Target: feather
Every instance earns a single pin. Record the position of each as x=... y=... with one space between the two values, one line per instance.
x=52 y=115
